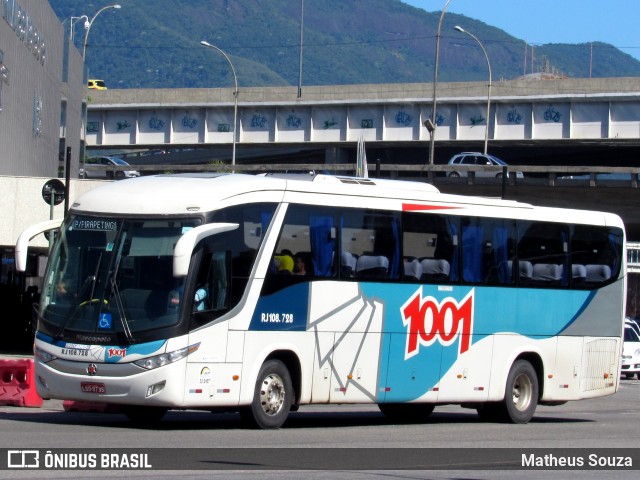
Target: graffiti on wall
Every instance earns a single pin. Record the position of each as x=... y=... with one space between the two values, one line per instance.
x=156 y=123
x=294 y=121
x=329 y=124
x=513 y=116
x=258 y=121
x=552 y=115
x=189 y=121
x=476 y=120
x=403 y=118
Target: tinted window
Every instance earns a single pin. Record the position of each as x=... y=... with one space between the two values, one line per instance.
x=430 y=247
x=488 y=250
x=544 y=245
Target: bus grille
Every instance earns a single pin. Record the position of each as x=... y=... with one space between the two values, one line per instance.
x=599 y=359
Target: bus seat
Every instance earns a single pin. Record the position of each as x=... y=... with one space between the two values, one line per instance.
x=547 y=272
x=525 y=269
x=435 y=269
x=372 y=266
x=348 y=264
x=579 y=273
x=598 y=273
x=412 y=270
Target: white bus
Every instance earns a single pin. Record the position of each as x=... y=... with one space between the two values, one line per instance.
x=179 y=292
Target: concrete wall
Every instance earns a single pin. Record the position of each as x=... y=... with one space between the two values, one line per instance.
x=23 y=205
x=521 y=110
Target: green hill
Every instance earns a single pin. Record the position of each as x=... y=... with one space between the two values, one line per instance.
x=157 y=45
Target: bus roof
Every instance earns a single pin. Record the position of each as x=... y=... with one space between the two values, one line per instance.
x=174 y=194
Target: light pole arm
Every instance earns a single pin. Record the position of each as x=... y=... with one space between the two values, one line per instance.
x=73 y=22
x=235 y=94
x=86 y=34
x=233 y=70
x=486 y=133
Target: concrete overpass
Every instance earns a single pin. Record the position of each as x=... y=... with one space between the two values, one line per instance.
x=576 y=115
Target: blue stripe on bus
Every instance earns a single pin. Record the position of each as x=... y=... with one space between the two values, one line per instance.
x=545 y=314
x=537 y=314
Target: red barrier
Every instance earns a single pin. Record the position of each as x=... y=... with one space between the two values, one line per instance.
x=98 y=407
x=17 y=383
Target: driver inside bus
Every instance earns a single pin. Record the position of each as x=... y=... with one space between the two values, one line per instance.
x=199 y=298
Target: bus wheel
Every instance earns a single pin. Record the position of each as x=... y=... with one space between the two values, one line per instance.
x=144 y=415
x=521 y=392
x=272 y=397
x=410 y=412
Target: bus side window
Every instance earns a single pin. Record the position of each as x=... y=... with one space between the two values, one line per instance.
x=372 y=238
x=430 y=241
x=596 y=254
x=545 y=245
x=211 y=291
x=310 y=231
x=487 y=248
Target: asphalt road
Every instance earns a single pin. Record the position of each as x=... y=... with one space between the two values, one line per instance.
x=355 y=441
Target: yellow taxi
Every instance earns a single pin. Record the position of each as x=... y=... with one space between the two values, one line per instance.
x=97 y=84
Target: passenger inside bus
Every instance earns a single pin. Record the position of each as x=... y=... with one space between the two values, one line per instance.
x=299 y=265
x=283 y=263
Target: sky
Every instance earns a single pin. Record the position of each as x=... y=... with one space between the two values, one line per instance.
x=554 y=21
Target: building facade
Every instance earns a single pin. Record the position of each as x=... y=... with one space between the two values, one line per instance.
x=42 y=96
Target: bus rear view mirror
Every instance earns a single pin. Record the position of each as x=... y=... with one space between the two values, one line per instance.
x=184 y=248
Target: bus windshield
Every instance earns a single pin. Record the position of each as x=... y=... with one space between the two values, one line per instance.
x=113 y=276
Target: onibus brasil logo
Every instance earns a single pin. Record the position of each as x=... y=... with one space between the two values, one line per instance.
x=428 y=321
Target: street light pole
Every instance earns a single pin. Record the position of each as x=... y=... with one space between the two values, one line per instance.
x=88 y=23
x=235 y=94
x=432 y=126
x=301 y=41
x=486 y=133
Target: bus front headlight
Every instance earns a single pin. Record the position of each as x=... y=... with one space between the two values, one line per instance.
x=166 y=358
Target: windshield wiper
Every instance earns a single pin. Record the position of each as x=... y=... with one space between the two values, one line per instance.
x=115 y=291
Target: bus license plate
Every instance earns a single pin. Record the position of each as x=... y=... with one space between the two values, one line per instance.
x=89 y=387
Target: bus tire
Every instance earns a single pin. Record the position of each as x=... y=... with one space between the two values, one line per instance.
x=272 y=397
x=409 y=412
x=521 y=392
